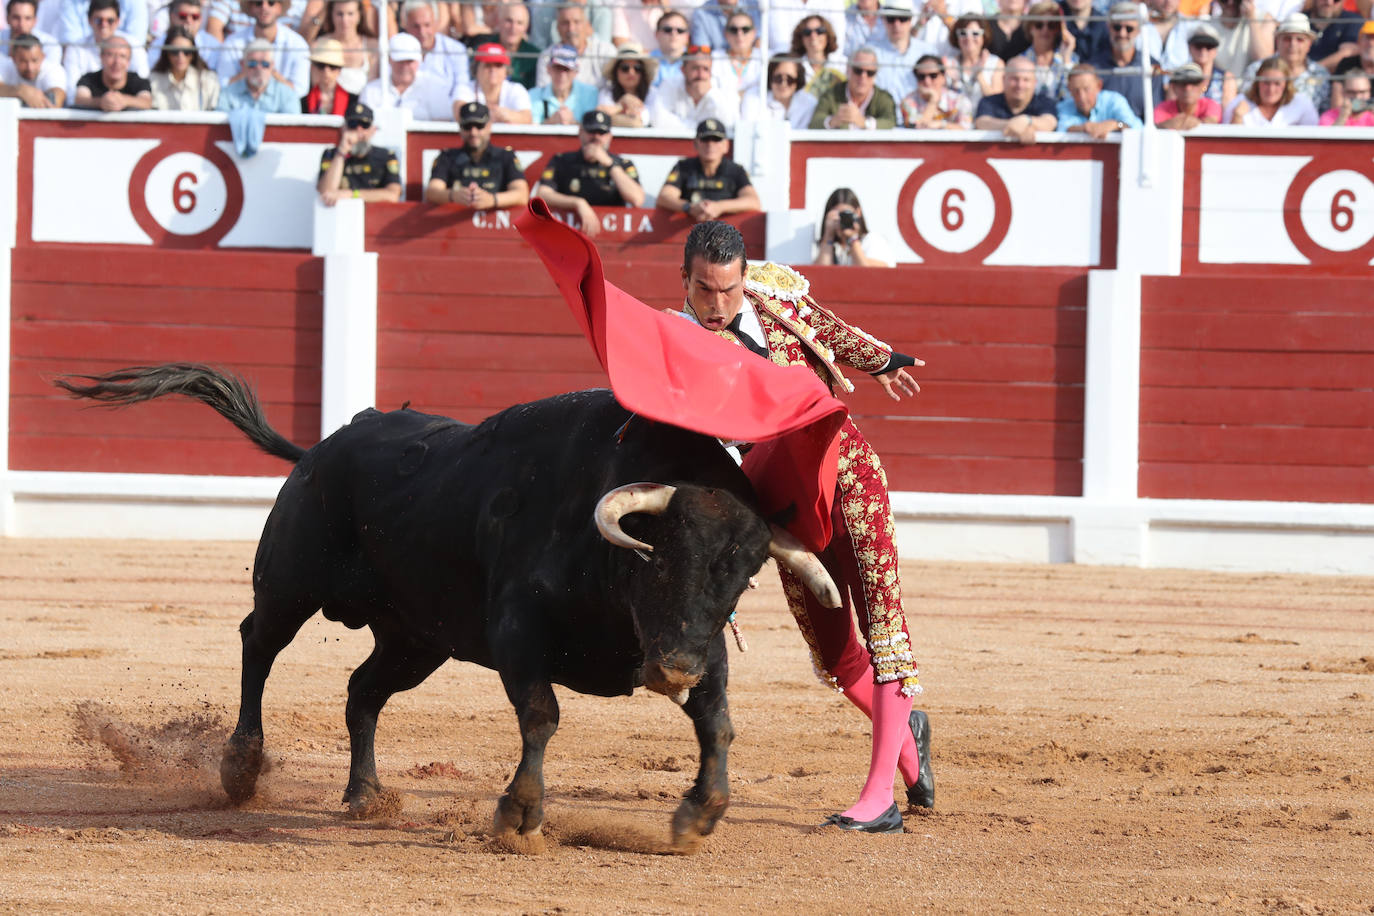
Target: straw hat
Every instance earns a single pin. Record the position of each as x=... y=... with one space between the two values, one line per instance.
x=631 y=51
x=328 y=51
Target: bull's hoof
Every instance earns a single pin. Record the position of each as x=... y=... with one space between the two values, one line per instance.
x=240 y=766
x=360 y=793
x=377 y=804
x=693 y=822
x=518 y=827
x=524 y=844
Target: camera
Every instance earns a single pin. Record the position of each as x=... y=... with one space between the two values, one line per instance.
x=846 y=219
x=1359 y=105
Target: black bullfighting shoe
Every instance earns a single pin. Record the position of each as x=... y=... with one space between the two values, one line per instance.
x=921 y=793
x=890 y=821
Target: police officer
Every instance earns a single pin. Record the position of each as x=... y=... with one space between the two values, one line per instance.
x=710 y=184
x=477 y=175
x=591 y=175
x=356 y=168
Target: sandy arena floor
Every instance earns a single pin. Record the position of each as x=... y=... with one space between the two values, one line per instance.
x=1106 y=741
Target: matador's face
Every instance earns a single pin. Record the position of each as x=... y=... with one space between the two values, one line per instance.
x=715 y=291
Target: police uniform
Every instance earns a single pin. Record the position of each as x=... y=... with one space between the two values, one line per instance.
x=689 y=178
x=571 y=173
x=493 y=171
x=378 y=168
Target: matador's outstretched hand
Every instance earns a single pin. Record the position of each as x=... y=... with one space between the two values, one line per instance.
x=900 y=382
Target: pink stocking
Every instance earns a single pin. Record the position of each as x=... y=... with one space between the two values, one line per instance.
x=860 y=693
x=891 y=712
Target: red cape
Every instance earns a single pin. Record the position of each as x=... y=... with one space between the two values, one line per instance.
x=673 y=371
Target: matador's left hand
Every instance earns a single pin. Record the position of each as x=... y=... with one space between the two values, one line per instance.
x=900 y=382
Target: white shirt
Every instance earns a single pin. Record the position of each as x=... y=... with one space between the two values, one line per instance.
x=448 y=60
x=199 y=91
x=291 y=57
x=675 y=110
x=603 y=99
x=50 y=75
x=783 y=19
x=724 y=76
x=427 y=99
x=1172 y=52
x=82 y=59
x=1298 y=113
x=513 y=96
x=875 y=246
x=798 y=114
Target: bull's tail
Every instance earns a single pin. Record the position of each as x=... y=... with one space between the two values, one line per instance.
x=229 y=395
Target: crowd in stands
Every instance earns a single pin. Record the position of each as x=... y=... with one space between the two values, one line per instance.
x=1019 y=67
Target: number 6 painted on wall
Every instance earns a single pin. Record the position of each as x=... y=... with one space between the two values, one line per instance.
x=1342 y=216
x=184 y=199
x=950 y=214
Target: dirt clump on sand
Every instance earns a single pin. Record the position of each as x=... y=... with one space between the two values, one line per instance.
x=1104 y=740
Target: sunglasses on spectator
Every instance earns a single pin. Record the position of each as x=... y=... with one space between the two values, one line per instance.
x=1123 y=27
x=256 y=3
x=672 y=30
x=969 y=33
x=182 y=52
x=258 y=64
x=629 y=68
x=921 y=77
x=189 y=17
x=783 y=79
x=863 y=71
x=814 y=30
x=105 y=20
x=897 y=18
x=1042 y=25
x=739 y=29
x=315 y=63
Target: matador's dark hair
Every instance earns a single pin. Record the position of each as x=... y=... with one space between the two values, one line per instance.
x=716 y=242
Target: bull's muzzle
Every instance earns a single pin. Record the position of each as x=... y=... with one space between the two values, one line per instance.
x=671 y=681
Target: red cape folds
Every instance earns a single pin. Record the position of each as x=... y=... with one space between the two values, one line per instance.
x=671 y=370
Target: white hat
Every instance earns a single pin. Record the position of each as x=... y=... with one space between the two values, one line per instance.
x=405 y=46
x=897 y=8
x=1296 y=24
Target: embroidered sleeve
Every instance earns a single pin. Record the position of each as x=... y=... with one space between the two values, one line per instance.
x=851 y=346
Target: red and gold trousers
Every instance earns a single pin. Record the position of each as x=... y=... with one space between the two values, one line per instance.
x=862 y=559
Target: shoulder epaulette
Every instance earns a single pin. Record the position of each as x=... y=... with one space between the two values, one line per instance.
x=776 y=281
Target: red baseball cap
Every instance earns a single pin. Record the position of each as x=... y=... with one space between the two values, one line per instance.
x=492 y=53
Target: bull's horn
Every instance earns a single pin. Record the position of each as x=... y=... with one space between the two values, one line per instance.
x=633 y=497
x=804 y=564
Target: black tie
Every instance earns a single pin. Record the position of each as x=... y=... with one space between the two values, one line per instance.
x=745 y=339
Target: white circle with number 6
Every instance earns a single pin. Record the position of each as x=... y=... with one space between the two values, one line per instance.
x=953 y=210
x=1338 y=210
x=185 y=193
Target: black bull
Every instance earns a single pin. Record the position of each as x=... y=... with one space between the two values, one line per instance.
x=478 y=543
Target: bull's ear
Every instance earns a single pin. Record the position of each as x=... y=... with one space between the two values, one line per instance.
x=783 y=517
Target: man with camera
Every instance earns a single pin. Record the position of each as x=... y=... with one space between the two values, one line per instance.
x=355 y=168
x=1354 y=109
x=845 y=239
x=590 y=175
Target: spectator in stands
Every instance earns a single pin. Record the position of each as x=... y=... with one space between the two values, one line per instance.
x=188 y=15
x=424 y=93
x=1051 y=55
x=21 y=18
x=592 y=50
x=973 y=71
x=26 y=74
x=477 y=175
x=290 y=53
x=181 y=80
x=86 y=57
x=863 y=25
x=1092 y=110
x=1218 y=85
x=1085 y=26
x=225 y=17
x=671 y=35
x=628 y=95
x=739 y=66
x=708 y=21
x=783 y=19
x=814 y=44
x=354 y=167
x=1272 y=100
x=76 y=28
x=857 y=104
x=566 y=98
x=1355 y=110
x=512 y=33
x=932 y=105
x=636 y=21
x=844 y=238
x=600 y=16
x=326 y=95
x=1362 y=62
x=442 y=56
x=1338 y=38
x=1247 y=34
x=591 y=175
x=506 y=101
x=1294 y=39
x=710 y=184
x=1167 y=36
x=680 y=104
x=113 y=87
x=345 y=22
x=898 y=51
x=258 y=85
x=1006 y=38
x=1019 y=112
x=1187 y=105
x=1120 y=65
x=787 y=101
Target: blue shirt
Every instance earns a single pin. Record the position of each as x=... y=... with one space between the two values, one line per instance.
x=1127 y=81
x=1110 y=106
x=277 y=98
x=708 y=22
x=581 y=100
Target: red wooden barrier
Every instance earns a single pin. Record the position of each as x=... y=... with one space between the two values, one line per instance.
x=1256 y=388
x=90 y=309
